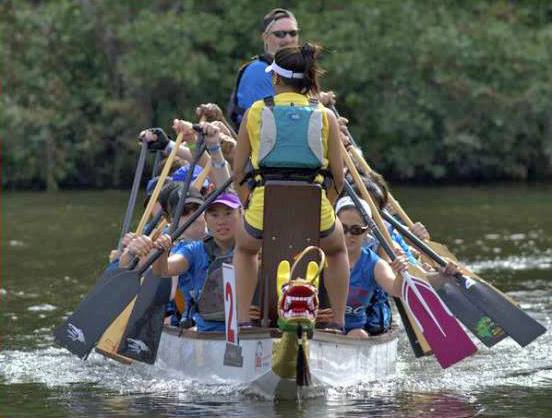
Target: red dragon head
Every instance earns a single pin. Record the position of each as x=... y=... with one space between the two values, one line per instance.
x=298 y=298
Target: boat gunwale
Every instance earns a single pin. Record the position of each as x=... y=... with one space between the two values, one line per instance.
x=265 y=333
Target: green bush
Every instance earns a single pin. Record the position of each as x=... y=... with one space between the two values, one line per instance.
x=434 y=90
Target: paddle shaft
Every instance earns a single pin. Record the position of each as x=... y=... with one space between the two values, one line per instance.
x=133 y=193
x=156 y=161
x=186 y=184
x=159 y=185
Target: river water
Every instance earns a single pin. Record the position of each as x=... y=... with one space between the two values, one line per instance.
x=55 y=246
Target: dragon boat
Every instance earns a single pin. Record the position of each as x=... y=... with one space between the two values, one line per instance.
x=269 y=360
x=287 y=357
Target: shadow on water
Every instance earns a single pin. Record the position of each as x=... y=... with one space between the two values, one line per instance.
x=55 y=246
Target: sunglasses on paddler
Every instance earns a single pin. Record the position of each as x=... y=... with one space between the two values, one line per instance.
x=282 y=33
x=354 y=229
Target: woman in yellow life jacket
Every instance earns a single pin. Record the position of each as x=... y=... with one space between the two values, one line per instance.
x=290 y=133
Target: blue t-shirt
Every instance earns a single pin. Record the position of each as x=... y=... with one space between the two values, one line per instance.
x=255 y=84
x=362 y=285
x=194 y=279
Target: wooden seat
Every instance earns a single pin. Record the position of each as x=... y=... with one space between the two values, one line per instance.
x=291 y=223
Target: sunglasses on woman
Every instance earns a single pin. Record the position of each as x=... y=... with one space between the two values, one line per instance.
x=354 y=229
x=282 y=33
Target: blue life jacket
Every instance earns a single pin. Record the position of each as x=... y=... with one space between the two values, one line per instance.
x=291 y=136
x=378 y=313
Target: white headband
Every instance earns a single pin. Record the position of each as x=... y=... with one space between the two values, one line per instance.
x=346 y=202
x=282 y=71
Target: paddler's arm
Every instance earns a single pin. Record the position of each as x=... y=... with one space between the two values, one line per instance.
x=387 y=276
x=241 y=157
x=168 y=266
x=334 y=157
x=219 y=167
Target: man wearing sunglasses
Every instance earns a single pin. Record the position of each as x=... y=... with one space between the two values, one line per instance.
x=279 y=30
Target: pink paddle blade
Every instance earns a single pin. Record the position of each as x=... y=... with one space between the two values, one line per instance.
x=446 y=337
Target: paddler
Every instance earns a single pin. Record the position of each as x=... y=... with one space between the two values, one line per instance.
x=370 y=275
x=316 y=157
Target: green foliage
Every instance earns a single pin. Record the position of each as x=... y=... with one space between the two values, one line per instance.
x=434 y=90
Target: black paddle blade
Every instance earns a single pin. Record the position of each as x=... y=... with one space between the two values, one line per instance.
x=112 y=293
x=145 y=325
x=514 y=321
x=483 y=327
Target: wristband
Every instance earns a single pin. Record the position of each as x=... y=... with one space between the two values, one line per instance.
x=219 y=164
x=213 y=148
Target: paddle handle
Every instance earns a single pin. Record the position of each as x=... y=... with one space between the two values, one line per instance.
x=133 y=193
x=152 y=258
x=159 y=185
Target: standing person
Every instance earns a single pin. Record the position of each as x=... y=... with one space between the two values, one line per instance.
x=279 y=30
x=307 y=152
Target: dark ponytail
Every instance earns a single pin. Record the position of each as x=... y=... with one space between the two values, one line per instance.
x=304 y=60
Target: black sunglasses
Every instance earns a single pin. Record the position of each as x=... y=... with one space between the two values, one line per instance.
x=282 y=33
x=354 y=229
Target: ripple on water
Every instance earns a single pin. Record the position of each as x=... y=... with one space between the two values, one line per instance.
x=541 y=261
x=45 y=307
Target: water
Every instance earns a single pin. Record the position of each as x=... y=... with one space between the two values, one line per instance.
x=55 y=246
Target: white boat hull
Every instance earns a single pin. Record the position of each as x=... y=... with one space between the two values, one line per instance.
x=334 y=361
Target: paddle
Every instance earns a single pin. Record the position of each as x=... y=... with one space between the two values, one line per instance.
x=111 y=338
x=112 y=292
x=133 y=193
x=514 y=321
x=132 y=343
x=448 y=341
x=483 y=327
